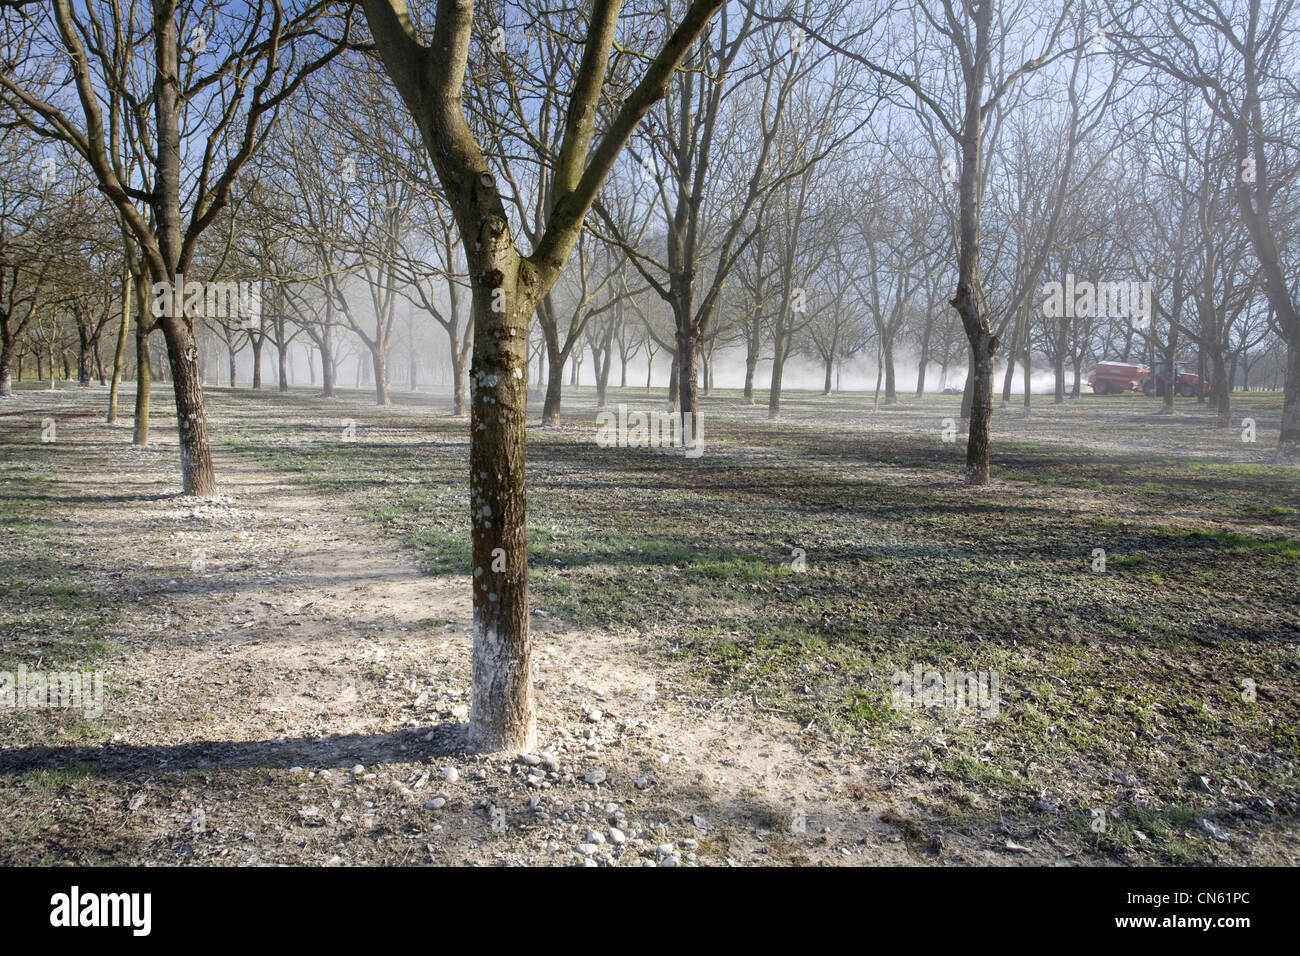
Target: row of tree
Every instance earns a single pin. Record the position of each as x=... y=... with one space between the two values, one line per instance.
x=815 y=176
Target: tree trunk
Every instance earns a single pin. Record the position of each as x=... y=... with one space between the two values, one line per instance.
x=981 y=410
x=1010 y=374
x=6 y=360
x=891 y=389
x=327 y=369
x=197 y=476
x=924 y=360
x=1058 y=364
x=503 y=713
x=83 y=355
x=603 y=360
x=778 y=372
x=751 y=366
x=688 y=374
x=1024 y=361
x=143 y=371
x=1222 y=395
x=119 y=355
x=379 y=360
x=234 y=370
x=1288 y=446
x=282 y=367
x=555 y=360
x=257 y=341
x=826 y=384
x=458 y=382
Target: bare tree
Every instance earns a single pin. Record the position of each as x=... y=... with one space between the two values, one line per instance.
x=507 y=286
x=149 y=95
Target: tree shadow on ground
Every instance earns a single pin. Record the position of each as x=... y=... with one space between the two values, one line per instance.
x=120 y=760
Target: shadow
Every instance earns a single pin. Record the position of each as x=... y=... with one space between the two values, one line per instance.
x=120 y=760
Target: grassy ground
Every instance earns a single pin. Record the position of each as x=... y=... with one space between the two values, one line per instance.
x=1120 y=690
x=1147 y=711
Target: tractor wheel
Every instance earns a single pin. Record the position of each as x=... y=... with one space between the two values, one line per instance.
x=1100 y=388
x=1149 y=387
x=1186 y=391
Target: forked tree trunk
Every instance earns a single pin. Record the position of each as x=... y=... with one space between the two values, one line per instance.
x=502 y=714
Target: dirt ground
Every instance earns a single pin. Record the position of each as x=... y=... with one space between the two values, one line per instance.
x=285 y=685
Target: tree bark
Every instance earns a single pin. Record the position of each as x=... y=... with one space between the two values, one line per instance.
x=119 y=355
x=6 y=361
x=503 y=712
x=327 y=368
x=981 y=410
x=197 y=476
x=1222 y=394
x=282 y=367
x=257 y=341
x=458 y=383
x=379 y=362
x=1289 y=441
x=143 y=379
x=925 y=355
x=778 y=373
x=688 y=375
x=555 y=360
x=891 y=389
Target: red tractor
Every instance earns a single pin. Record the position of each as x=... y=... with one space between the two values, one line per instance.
x=1186 y=383
x=1110 y=377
